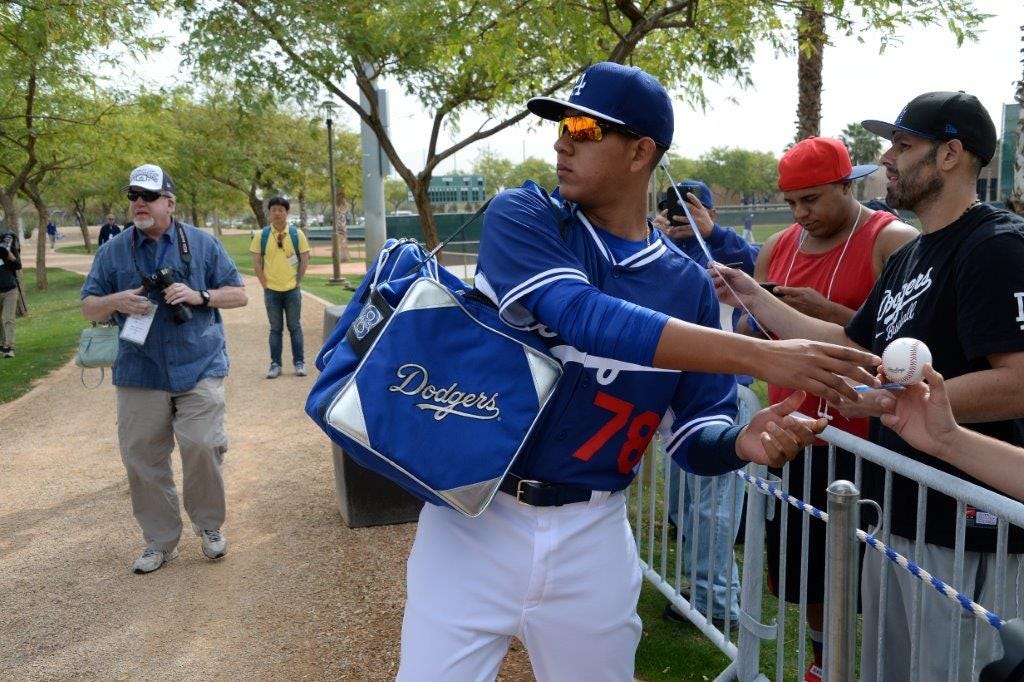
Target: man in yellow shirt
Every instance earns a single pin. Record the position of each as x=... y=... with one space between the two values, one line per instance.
x=280 y=255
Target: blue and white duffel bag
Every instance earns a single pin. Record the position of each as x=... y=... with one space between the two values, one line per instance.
x=422 y=383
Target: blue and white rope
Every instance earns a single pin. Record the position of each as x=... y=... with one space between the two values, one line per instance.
x=965 y=602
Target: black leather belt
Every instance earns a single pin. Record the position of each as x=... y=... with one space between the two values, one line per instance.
x=538 y=494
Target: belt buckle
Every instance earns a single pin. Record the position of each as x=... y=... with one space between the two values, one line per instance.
x=519 y=489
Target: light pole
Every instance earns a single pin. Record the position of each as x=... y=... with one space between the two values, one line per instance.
x=328 y=108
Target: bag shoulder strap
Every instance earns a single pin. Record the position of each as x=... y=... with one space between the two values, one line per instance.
x=264 y=236
x=294 y=234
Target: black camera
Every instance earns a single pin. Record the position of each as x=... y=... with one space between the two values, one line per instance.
x=160 y=280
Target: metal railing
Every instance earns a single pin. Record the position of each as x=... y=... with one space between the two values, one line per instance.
x=661 y=562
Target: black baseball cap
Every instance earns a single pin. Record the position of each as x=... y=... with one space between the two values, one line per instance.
x=945 y=116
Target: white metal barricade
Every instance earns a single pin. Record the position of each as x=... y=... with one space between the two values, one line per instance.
x=662 y=562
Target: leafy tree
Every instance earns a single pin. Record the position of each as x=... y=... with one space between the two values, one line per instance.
x=396 y=194
x=540 y=171
x=864 y=147
x=497 y=170
x=43 y=75
x=881 y=18
x=749 y=173
x=680 y=168
x=260 y=151
x=459 y=55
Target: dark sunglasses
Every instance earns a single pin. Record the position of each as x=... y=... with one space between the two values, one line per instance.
x=280 y=240
x=589 y=129
x=146 y=195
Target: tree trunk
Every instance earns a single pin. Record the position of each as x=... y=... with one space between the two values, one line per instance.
x=810 y=55
x=11 y=220
x=79 y=205
x=42 y=212
x=216 y=223
x=340 y=215
x=256 y=204
x=303 y=218
x=426 y=211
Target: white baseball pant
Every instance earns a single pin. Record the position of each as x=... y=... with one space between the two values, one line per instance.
x=564 y=580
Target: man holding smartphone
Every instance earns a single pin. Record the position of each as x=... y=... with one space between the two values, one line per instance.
x=725 y=245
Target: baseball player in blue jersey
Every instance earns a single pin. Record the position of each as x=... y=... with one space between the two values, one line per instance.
x=634 y=323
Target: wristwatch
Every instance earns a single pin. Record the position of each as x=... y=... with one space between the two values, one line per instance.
x=206 y=298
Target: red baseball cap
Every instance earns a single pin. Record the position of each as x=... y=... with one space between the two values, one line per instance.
x=818 y=161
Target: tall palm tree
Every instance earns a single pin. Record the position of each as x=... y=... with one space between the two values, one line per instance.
x=811 y=40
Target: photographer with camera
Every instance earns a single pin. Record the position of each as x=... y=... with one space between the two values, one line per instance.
x=163 y=283
x=10 y=263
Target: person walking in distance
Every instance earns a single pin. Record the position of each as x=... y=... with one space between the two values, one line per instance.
x=164 y=282
x=280 y=256
x=108 y=230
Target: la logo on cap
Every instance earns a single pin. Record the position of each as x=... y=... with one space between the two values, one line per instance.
x=581 y=82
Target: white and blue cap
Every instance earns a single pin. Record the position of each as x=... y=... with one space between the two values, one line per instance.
x=621 y=95
x=151 y=177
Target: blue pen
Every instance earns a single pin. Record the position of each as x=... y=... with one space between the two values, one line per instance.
x=863 y=388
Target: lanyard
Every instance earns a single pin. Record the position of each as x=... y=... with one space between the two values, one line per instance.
x=183 y=251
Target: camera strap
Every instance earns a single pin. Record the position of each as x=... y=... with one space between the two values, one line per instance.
x=184 y=250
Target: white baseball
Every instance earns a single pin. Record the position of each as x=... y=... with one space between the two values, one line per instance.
x=903 y=360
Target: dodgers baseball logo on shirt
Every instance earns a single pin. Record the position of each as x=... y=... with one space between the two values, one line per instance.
x=444 y=401
x=896 y=309
x=1019 y=295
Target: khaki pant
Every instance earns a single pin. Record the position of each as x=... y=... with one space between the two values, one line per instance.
x=8 y=307
x=148 y=424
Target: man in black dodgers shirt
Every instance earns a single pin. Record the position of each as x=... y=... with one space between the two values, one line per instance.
x=959 y=287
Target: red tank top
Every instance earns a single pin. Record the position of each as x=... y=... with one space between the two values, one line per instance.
x=850 y=286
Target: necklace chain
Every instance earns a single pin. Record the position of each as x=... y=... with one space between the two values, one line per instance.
x=967 y=210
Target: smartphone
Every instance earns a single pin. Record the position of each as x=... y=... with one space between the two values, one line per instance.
x=768 y=286
x=672 y=203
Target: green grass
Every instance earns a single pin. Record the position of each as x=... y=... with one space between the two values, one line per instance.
x=678 y=651
x=47 y=337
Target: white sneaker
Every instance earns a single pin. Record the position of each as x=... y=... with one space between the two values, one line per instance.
x=8 y=352
x=274 y=371
x=300 y=369
x=153 y=559
x=215 y=545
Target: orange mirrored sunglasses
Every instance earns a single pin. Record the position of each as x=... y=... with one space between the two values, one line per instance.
x=589 y=129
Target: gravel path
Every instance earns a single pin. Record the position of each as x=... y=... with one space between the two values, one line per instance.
x=299 y=596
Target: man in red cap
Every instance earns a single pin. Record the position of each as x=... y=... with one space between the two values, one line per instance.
x=959 y=288
x=824 y=265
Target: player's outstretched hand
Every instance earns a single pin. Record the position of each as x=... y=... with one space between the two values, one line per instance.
x=922 y=415
x=743 y=285
x=818 y=368
x=774 y=436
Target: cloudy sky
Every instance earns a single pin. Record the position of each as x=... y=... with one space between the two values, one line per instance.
x=859 y=83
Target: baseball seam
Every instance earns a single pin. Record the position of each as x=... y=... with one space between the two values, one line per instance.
x=912 y=367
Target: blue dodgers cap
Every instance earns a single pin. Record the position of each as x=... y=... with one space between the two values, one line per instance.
x=622 y=95
x=695 y=187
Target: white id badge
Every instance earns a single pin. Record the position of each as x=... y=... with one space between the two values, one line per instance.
x=293 y=260
x=136 y=327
